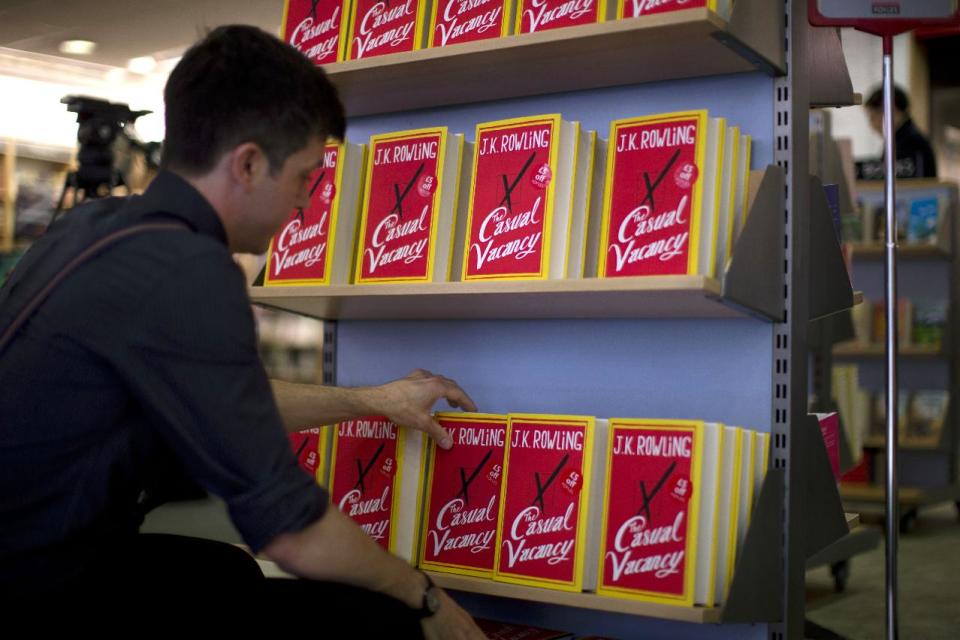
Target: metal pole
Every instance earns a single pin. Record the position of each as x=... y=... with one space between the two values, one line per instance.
x=890 y=274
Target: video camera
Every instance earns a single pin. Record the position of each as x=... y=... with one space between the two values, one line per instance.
x=102 y=130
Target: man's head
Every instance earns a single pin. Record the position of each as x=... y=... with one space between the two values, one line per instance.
x=247 y=117
x=874 y=107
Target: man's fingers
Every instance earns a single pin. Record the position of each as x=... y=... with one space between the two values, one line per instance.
x=457 y=397
x=439 y=434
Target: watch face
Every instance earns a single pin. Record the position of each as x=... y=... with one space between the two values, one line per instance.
x=432 y=600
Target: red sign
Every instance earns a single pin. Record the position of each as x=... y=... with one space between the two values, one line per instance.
x=381 y=27
x=636 y=8
x=364 y=469
x=539 y=530
x=462 y=505
x=314 y=27
x=457 y=21
x=653 y=203
x=397 y=226
x=543 y=15
x=299 y=253
x=648 y=528
x=509 y=210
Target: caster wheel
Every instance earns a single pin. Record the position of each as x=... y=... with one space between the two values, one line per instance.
x=841 y=573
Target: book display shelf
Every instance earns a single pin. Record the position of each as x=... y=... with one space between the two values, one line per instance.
x=730 y=348
x=928 y=278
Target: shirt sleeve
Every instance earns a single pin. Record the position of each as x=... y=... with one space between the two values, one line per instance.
x=197 y=373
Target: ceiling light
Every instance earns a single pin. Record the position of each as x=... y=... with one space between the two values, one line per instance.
x=142 y=65
x=77 y=47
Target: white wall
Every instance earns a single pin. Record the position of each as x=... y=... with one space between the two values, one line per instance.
x=865 y=62
x=31 y=88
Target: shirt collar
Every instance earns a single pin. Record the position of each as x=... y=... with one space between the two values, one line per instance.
x=173 y=196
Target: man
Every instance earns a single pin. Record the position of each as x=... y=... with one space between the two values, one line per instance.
x=915 y=157
x=140 y=369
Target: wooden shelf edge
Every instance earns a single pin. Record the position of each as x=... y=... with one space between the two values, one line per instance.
x=881 y=443
x=876 y=251
x=699 y=615
x=858 y=350
x=648 y=297
x=913 y=496
x=906 y=183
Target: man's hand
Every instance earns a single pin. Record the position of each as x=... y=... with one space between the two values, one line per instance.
x=450 y=621
x=409 y=402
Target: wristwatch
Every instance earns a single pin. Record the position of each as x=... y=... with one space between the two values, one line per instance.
x=431 y=598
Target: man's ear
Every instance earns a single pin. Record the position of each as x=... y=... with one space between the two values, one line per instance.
x=248 y=164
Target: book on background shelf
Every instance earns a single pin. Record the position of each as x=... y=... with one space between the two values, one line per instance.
x=462 y=506
x=494 y=630
x=376 y=478
x=854 y=404
x=526 y=214
x=409 y=207
x=457 y=21
x=830 y=430
x=861 y=472
x=543 y=15
x=315 y=246
x=637 y=8
x=312 y=450
x=545 y=503
x=924 y=221
x=379 y=28
x=862 y=317
x=929 y=322
x=658 y=494
x=926 y=417
x=904 y=322
x=661 y=203
x=878 y=414
x=317 y=28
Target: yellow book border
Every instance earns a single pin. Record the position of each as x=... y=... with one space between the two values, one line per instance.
x=751 y=477
x=588 y=209
x=734 y=168
x=398 y=136
x=748 y=141
x=589 y=424
x=554 y=119
x=733 y=529
x=331 y=233
x=695 y=427
x=429 y=451
x=711 y=591
x=696 y=204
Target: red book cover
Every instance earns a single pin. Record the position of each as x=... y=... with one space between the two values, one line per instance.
x=651 y=212
x=543 y=15
x=637 y=8
x=363 y=474
x=463 y=496
x=511 y=198
x=509 y=631
x=316 y=28
x=456 y=21
x=306 y=447
x=300 y=252
x=399 y=223
x=650 y=513
x=381 y=27
x=542 y=534
x=830 y=429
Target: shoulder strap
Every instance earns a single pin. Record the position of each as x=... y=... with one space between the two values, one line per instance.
x=103 y=243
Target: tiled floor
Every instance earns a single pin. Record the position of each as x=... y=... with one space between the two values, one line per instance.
x=929 y=586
